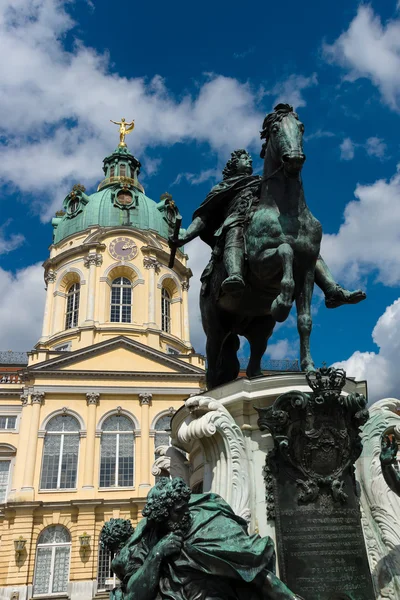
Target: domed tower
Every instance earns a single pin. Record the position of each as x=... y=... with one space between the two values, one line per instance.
x=108 y=272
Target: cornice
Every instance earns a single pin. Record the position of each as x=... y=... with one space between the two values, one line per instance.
x=121 y=342
x=163 y=257
x=61 y=374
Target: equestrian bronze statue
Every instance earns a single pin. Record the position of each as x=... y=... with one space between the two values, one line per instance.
x=265 y=252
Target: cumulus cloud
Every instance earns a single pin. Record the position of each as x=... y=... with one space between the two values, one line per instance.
x=368 y=239
x=8 y=243
x=376 y=147
x=199 y=255
x=198 y=178
x=21 y=308
x=282 y=349
x=370 y=49
x=347 y=149
x=381 y=367
x=290 y=90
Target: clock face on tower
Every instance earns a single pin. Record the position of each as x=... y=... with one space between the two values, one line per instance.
x=123 y=248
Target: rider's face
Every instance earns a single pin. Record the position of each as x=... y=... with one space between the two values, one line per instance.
x=244 y=164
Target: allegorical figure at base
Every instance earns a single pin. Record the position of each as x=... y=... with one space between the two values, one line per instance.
x=388 y=458
x=193 y=547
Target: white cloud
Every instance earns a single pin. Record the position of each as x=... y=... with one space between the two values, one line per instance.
x=21 y=308
x=368 y=239
x=370 y=49
x=9 y=243
x=347 y=149
x=380 y=368
x=281 y=349
x=290 y=90
x=317 y=135
x=198 y=178
x=376 y=147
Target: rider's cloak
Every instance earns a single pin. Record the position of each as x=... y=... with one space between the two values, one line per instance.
x=214 y=208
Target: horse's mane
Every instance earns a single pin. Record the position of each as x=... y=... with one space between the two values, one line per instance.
x=280 y=111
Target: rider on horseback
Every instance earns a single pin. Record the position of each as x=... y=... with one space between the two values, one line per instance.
x=220 y=222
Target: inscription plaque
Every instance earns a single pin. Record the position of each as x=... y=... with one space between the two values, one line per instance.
x=310 y=472
x=320 y=546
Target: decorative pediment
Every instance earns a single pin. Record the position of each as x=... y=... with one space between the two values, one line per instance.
x=120 y=354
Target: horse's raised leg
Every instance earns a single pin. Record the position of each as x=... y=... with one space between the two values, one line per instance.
x=304 y=321
x=282 y=304
x=229 y=366
x=258 y=333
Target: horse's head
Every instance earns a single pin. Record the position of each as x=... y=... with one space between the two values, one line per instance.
x=283 y=135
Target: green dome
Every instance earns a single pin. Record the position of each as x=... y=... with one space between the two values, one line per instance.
x=120 y=200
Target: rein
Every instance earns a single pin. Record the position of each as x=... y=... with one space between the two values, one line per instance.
x=273 y=173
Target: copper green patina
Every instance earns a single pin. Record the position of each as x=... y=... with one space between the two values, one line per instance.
x=194 y=547
x=265 y=252
x=120 y=201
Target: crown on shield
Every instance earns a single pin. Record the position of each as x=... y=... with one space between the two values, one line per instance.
x=326 y=379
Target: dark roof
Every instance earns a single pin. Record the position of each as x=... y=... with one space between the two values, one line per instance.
x=8 y=357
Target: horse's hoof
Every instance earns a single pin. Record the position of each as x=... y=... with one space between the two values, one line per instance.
x=233 y=284
x=307 y=366
x=280 y=310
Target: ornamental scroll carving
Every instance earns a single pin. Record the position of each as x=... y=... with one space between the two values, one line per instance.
x=212 y=424
x=172 y=461
x=381 y=507
x=93 y=259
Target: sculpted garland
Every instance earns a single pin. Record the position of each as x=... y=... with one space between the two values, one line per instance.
x=265 y=252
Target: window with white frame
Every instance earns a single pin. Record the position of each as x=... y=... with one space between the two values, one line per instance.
x=121 y=300
x=5 y=468
x=60 y=453
x=72 y=312
x=162 y=435
x=7 y=422
x=52 y=561
x=117 y=452
x=165 y=310
x=104 y=571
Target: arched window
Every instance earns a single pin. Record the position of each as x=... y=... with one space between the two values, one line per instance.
x=121 y=300
x=71 y=317
x=162 y=435
x=52 y=561
x=117 y=452
x=60 y=453
x=165 y=310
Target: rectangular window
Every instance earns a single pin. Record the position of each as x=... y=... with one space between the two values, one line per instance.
x=60 y=460
x=8 y=422
x=4 y=478
x=117 y=460
x=108 y=460
x=122 y=170
x=125 y=460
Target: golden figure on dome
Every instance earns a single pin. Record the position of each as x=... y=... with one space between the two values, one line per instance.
x=124 y=129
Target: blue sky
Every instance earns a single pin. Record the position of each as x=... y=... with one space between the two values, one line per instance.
x=198 y=81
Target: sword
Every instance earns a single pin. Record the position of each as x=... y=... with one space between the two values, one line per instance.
x=177 y=226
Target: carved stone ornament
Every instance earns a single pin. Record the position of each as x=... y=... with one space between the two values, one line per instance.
x=145 y=399
x=231 y=476
x=64 y=411
x=37 y=397
x=316 y=435
x=185 y=286
x=50 y=276
x=24 y=399
x=93 y=259
x=92 y=398
x=149 y=262
x=380 y=506
x=170 y=461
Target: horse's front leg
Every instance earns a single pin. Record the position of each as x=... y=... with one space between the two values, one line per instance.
x=304 y=321
x=282 y=304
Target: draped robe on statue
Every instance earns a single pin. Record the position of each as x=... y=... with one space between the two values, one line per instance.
x=218 y=559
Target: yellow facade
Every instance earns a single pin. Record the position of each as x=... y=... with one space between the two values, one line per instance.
x=89 y=376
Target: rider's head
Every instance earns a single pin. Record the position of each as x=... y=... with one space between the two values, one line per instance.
x=240 y=162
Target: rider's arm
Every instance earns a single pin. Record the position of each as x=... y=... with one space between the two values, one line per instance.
x=195 y=228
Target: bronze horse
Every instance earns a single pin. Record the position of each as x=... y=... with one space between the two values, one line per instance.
x=282 y=241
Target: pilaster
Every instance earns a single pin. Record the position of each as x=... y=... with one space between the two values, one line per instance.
x=37 y=399
x=145 y=401
x=92 y=401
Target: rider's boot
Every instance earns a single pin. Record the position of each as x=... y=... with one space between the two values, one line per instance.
x=336 y=296
x=234 y=262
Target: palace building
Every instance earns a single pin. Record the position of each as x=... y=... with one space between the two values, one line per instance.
x=83 y=413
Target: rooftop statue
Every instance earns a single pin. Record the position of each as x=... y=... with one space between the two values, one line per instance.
x=191 y=547
x=124 y=129
x=265 y=252
x=388 y=458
